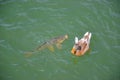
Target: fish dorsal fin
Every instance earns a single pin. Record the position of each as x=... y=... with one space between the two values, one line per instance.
x=76 y=40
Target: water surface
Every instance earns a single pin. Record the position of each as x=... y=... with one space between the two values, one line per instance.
x=25 y=24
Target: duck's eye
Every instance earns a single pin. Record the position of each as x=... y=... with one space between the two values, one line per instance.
x=79 y=48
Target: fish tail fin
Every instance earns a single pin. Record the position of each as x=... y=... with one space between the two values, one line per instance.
x=28 y=54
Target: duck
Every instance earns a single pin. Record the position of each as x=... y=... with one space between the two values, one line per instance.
x=81 y=46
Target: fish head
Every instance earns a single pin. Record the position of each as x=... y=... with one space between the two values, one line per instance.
x=61 y=39
x=66 y=36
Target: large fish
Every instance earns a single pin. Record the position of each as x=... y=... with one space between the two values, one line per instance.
x=50 y=44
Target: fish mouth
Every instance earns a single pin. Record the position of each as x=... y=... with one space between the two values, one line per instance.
x=66 y=36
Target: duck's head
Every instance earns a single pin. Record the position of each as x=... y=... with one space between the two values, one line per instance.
x=76 y=46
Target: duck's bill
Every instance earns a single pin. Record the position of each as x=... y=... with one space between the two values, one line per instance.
x=73 y=50
x=76 y=52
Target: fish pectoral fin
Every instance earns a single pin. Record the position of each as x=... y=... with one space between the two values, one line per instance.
x=59 y=46
x=51 y=48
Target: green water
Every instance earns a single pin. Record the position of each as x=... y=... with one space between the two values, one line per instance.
x=25 y=24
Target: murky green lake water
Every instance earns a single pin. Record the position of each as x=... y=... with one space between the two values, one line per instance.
x=25 y=24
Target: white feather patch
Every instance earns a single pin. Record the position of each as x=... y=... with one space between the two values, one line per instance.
x=76 y=40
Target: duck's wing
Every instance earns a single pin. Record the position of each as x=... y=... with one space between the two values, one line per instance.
x=87 y=33
x=89 y=37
